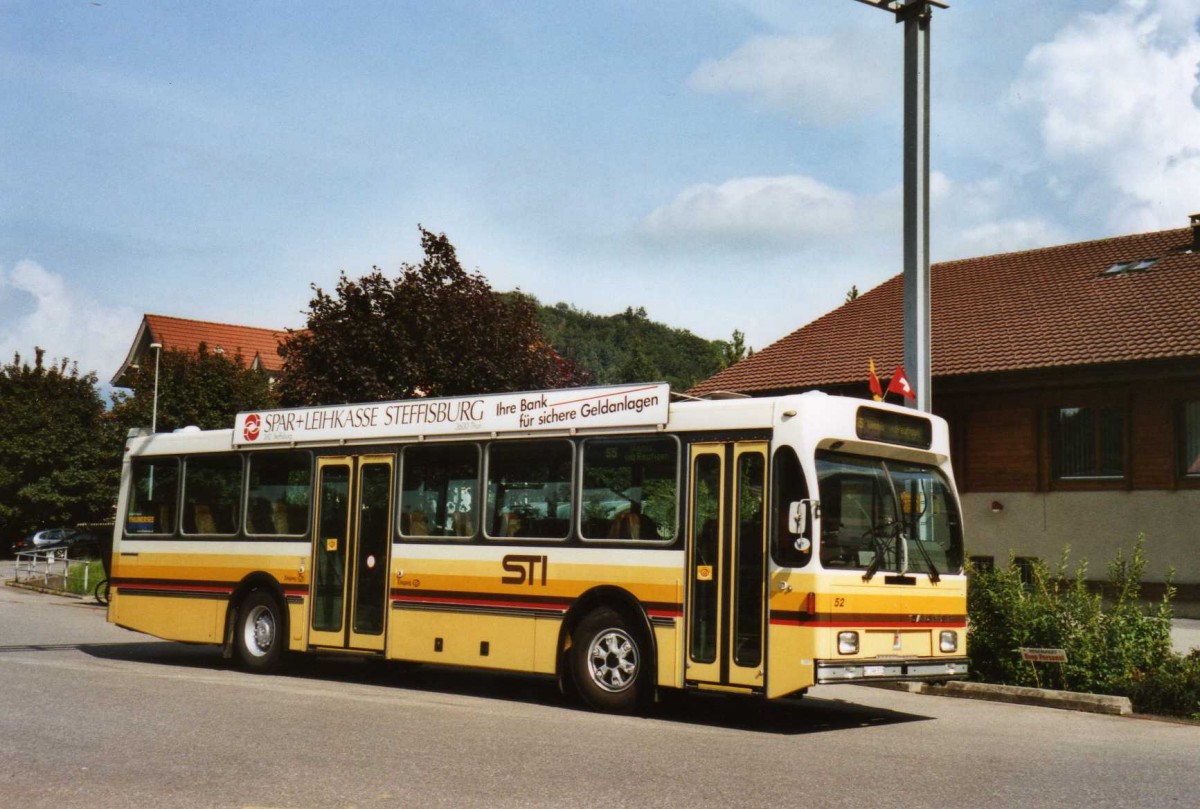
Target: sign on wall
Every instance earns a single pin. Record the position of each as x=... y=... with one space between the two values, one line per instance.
x=572 y=408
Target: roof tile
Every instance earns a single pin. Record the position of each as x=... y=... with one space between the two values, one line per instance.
x=181 y=334
x=1042 y=308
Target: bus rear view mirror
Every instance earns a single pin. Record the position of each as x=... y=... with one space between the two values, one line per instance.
x=801 y=513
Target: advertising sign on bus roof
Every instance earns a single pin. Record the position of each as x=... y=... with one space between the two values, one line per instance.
x=571 y=408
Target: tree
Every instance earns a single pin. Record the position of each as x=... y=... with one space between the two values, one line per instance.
x=606 y=346
x=206 y=389
x=735 y=350
x=435 y=330
x=638 y=367
x=852 y=294
x=56 y=462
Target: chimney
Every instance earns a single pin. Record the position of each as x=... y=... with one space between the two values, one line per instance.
x=1195 y=220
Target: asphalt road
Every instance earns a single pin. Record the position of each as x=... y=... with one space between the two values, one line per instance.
x=95 y=716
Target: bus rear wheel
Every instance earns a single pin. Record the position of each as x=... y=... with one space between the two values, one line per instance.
x=258 y=635
x=609 y=663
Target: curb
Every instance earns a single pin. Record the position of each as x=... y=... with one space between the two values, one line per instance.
x=1021 y=695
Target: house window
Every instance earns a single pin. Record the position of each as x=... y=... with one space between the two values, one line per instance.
x=1025 y=567
x=1123 y=267
x=983 y=564
x=1190 y=444
x=1088 y=442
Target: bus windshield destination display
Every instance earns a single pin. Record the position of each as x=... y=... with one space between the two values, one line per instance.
x=894 y=428
x=626 y=406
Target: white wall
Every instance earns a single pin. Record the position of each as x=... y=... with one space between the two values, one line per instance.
x=1095 y=525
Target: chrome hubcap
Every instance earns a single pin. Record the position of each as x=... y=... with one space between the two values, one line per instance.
x=613 y=660
x=260 y=631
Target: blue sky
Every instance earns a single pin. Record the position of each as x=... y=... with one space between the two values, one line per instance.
x=723 y=164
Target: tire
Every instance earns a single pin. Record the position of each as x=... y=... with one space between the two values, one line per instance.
x=609 y=663
x=101 y=592
x=259 y=633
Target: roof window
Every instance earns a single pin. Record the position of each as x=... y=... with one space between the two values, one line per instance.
x=1123 y=267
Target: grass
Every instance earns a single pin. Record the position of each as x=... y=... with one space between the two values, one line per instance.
x=75 y=576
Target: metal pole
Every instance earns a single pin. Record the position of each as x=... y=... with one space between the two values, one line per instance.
x=916 y=16
x=154 y=406
x=917 y=354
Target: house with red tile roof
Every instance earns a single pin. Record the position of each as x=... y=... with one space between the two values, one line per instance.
x=259 y=348
x=1070 y=376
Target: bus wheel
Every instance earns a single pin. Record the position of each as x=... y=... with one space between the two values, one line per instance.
x=258 y=633
x=608 y=663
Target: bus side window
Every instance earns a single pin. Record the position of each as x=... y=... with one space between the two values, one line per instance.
x=439 y=491
x=278 y=493
x=630 y=489
x=529 y=489
x=789 y=487
x=152 y=497
x=212 y=493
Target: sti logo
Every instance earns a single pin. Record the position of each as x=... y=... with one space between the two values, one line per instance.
x=253 y=424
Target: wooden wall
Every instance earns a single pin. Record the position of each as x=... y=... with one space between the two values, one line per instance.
x=1001 y=439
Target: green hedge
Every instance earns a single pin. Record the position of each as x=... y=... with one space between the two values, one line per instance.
x=1116 y=645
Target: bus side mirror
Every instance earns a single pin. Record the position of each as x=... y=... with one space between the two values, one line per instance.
x=801 y=513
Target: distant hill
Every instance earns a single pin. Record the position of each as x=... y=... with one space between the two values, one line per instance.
x=630 y=347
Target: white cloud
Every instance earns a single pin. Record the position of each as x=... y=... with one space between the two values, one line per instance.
x=1003 y=236
x=820 y=81
x=61 y=321
x=974 y=219
x=788 y=210
x=1118 y=100
x=793 y=213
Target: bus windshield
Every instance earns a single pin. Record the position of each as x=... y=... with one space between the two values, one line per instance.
x=887 y=515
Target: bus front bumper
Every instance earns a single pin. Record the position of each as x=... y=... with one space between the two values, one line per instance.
x=891 y=670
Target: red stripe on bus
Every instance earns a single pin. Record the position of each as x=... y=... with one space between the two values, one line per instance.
x=177 y=587
x=665 y=613
x=502 y=602
x=829 y=623
x=482 y=602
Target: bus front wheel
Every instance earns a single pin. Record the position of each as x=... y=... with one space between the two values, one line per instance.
x=258 y=634
x=608 y=662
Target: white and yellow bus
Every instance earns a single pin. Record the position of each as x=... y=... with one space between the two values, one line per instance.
x=610 y=537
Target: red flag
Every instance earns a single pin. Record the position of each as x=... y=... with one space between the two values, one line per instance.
x=899 y=384
x=873 y=381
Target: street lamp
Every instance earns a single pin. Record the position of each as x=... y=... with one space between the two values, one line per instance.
x=154 y=407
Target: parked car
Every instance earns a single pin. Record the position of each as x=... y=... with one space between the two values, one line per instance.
x=52 y=538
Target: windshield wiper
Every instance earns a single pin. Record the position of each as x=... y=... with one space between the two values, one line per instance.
x=881 y=548
x=902 y=550
x=934 y=576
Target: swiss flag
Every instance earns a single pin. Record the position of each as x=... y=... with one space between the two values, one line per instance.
x=899 y=384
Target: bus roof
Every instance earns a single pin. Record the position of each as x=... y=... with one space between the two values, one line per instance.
x=571 y=411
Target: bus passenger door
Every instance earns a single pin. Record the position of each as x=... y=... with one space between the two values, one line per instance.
x=351 y=545
x=726 y=564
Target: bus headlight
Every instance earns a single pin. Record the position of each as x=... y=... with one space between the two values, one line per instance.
x=847 y=643
x=949 y=641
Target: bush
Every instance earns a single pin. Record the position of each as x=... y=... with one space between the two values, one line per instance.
x=1172 y=690
x=1120 y=647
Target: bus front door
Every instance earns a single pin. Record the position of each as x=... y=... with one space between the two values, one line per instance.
x=726 y=565
x=351 y=543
